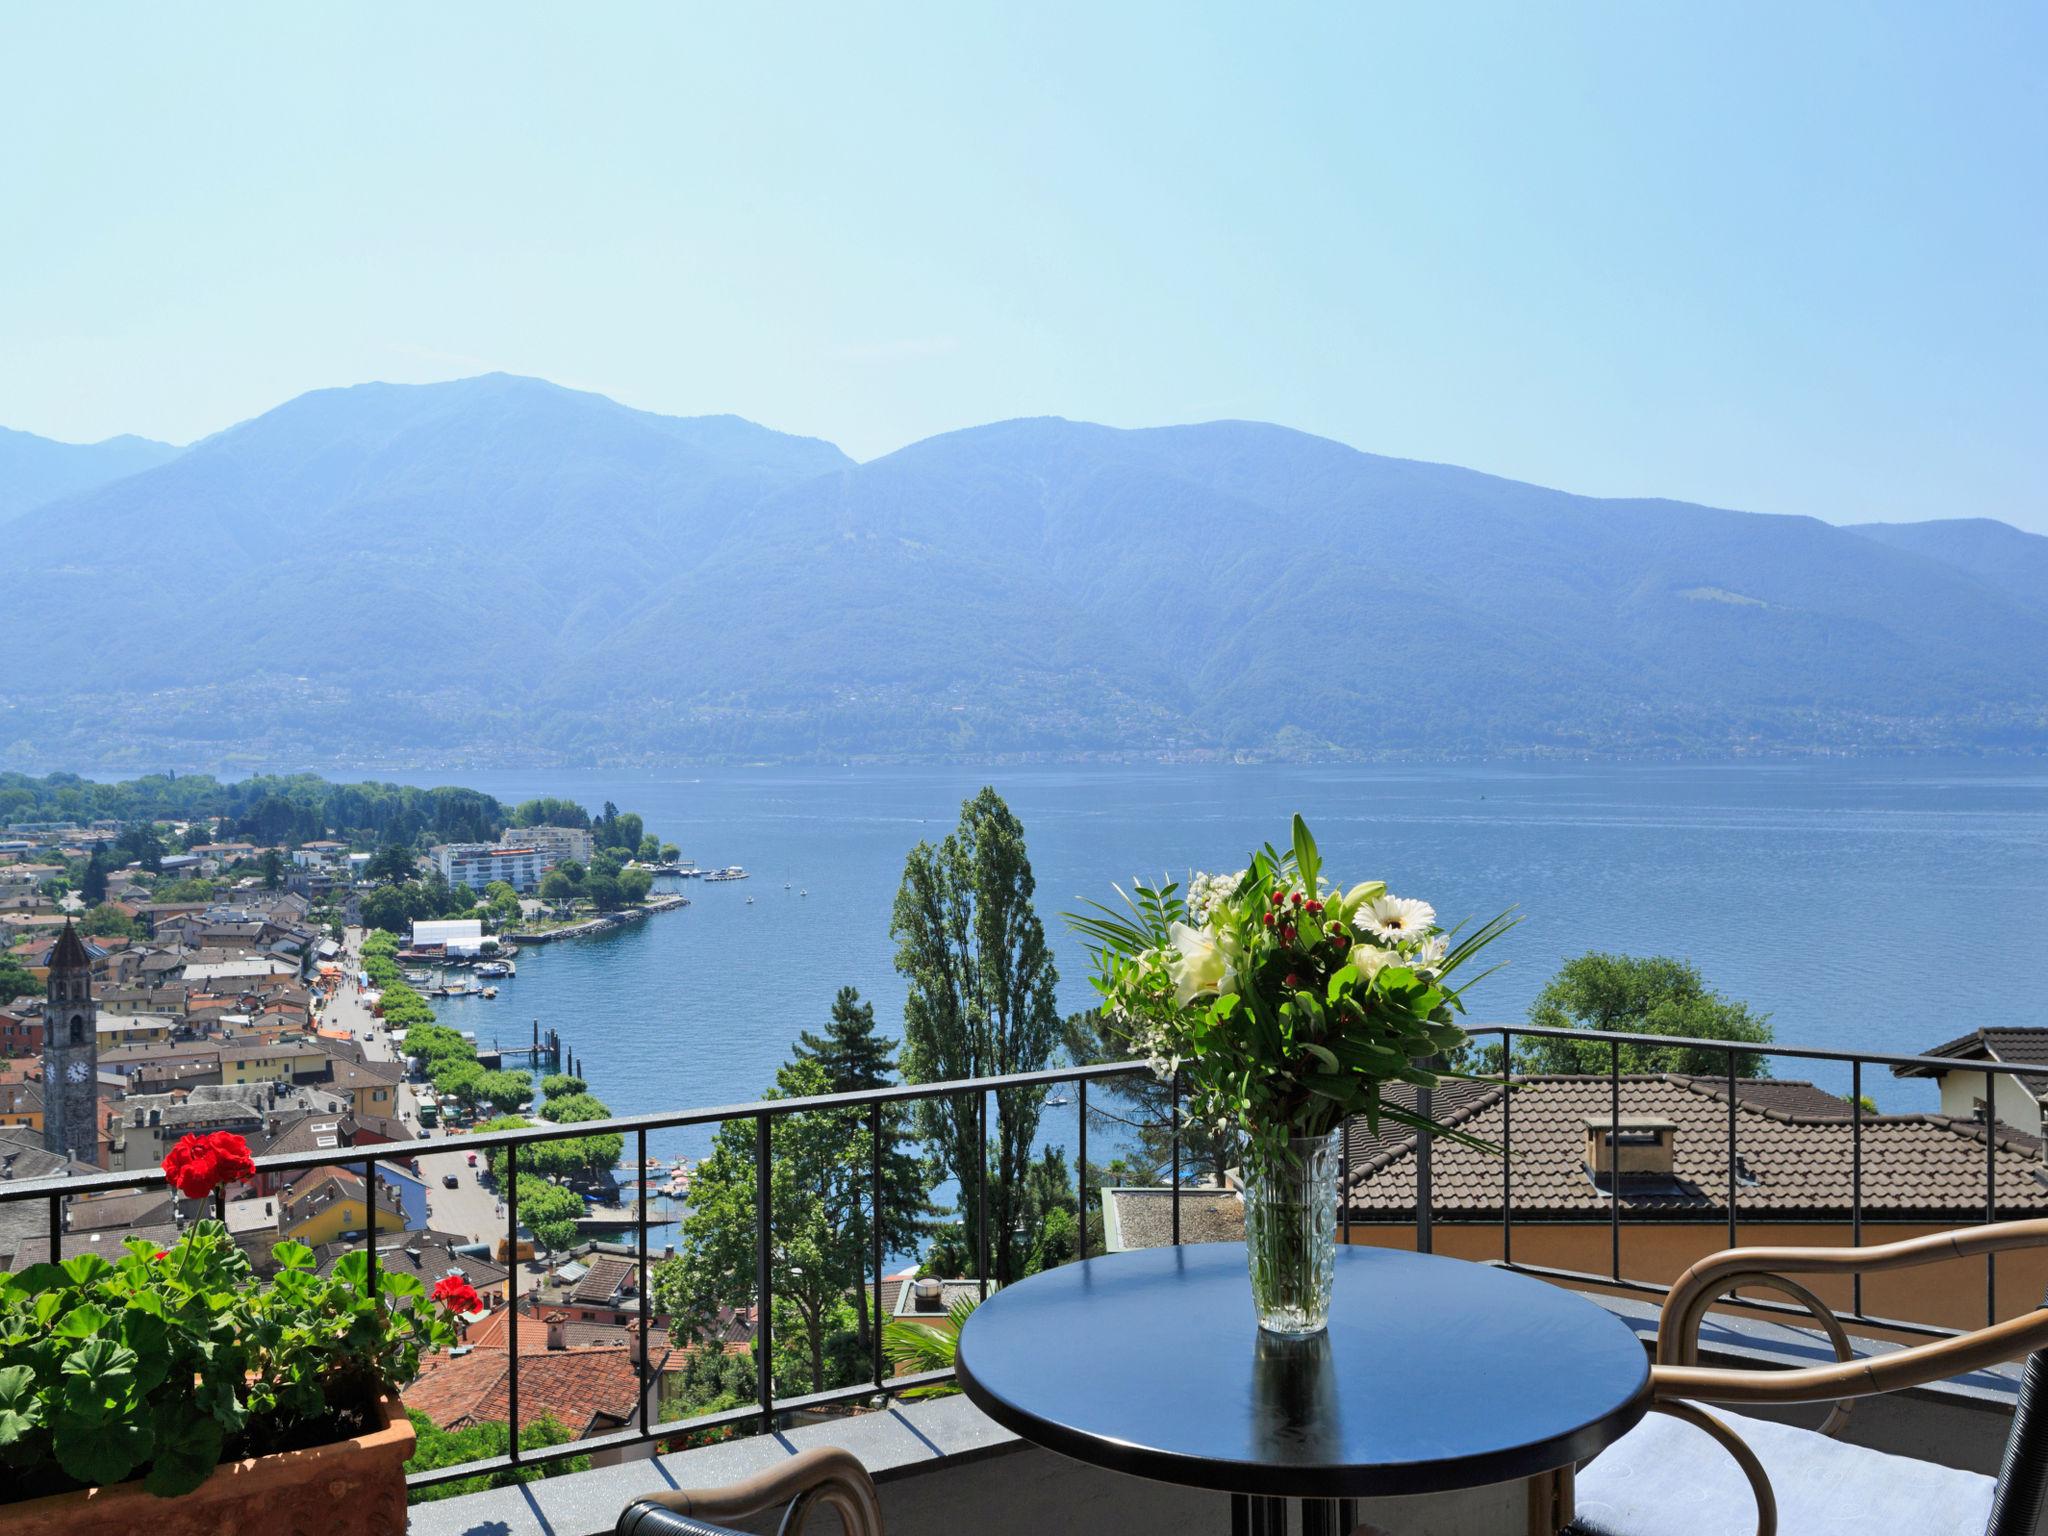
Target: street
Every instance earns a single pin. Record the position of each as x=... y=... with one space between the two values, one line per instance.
x=469 y=1209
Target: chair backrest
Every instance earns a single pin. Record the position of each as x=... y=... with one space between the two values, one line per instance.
x=2017 y=1504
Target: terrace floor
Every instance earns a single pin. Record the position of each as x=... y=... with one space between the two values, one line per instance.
x=944 y=1469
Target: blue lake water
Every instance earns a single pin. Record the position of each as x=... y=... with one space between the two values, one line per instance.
x=1886 y=906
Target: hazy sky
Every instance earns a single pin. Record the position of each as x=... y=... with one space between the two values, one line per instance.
x=1780 y=257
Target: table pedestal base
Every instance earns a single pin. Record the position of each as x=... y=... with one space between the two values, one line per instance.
x=1257 y=1515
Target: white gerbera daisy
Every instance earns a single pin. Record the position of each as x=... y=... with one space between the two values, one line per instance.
x=1395 y=918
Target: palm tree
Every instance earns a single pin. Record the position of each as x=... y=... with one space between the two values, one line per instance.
x=921 y=1347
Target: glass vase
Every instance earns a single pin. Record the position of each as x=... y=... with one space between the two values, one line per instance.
x=1290 y=1232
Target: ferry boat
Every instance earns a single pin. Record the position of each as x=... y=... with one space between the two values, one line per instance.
x=730 y=872
x=493 y=968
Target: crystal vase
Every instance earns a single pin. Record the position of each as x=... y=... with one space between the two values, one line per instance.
x=1290 y=1233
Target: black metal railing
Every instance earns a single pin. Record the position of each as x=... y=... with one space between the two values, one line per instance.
x=1732 y=1052
x=768 y=1408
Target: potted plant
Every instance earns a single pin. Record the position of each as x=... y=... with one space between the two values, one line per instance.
x=171 y=1389
x=1285 y=1005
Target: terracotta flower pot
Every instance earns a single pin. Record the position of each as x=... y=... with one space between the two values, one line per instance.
x=346 y=1488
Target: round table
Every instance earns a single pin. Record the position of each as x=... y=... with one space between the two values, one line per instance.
x=1434 y=1374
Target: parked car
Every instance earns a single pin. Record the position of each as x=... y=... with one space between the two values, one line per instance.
x=449 y=1181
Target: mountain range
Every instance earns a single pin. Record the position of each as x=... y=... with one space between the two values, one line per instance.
x=502 y=570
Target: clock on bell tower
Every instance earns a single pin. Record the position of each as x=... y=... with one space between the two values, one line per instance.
x=71 y=1055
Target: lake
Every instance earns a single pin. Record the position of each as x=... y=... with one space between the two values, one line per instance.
x=1883 y=905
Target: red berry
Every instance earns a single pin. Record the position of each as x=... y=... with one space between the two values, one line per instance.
x=1315 y=906
x=1278 y=897
x=1287 y=933
x=1293 y=980
x=1269 y=919
x=1297 y=898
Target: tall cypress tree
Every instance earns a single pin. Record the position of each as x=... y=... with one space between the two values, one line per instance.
x=981 y=1001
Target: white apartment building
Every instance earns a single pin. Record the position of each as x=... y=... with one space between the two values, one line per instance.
x=560 y=843
x=476 y=865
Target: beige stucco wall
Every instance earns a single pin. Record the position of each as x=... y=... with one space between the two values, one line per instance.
x=1950 y=1293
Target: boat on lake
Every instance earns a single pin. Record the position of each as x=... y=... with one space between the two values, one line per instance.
x=493 y=968
x=730 y=872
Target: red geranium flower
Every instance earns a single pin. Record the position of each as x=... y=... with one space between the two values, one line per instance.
x=198 y=1165
x=457 y=1294
x=161 y=1253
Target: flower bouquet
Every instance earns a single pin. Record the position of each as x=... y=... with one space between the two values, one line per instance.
x=1285 y=1005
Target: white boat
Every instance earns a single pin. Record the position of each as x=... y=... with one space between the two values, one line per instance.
x=730 y=872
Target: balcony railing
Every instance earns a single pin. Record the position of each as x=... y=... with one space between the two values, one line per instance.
x=767 y=1407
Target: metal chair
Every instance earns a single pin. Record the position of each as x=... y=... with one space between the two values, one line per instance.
x=826 y=1476
x=1670 y=1475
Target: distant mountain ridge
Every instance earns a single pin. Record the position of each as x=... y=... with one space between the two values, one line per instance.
x=499 y=569
x=35 y=470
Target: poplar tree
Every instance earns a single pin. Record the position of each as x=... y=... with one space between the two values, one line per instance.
x=981 y=1003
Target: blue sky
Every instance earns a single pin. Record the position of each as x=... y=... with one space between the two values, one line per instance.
x=1786 y=258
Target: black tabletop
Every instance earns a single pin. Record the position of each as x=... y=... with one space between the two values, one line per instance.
x=1434 y=1374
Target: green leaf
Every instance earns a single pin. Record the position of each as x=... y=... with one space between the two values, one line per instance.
x=99 y=1454
x=353 y=1268
x=187 y=1450
x=217 y=1397
x=19 y=1411
x=36 y=1279
x=85 y=1268
x=291 y=1254
x=1307 y=863
x=149 y=1336
x=82 y=1321
x=1323 y=1054
x=99 y=1367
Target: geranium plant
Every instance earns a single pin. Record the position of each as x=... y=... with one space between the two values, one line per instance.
x=165 y=1362
x=1284 y=1003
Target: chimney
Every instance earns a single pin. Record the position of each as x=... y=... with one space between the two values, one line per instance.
x=558 y=1330
x=928 y=1294
x=636 y=1344
x=1634 y=1144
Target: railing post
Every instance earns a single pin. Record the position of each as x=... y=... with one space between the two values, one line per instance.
x=875 y=1220
x=646 y=1345
x=1856 y=1179
x=1732 y=1240
x=1990 y=1192
x=1174 y=1114
x=370 y=1233
x=764 y=1286
x=1081 y=1174
x=1425 y=1174
x=57 y=1226
x=1507 y=1147
x=981 y=1191
x=512 y=1299
x=1614 y=1156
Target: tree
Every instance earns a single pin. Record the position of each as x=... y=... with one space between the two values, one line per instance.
x=669 y=853
x=550 y=812
x=15 y=980
x=981 y=1000
x=110 y=922
x=556 y=885
x=570 y=1108
x=392 y=862
x=504 y=1090
x=549 y=1212
x=1140 y=1107
x=634 y=884
x=92 y=885
x=814 y=1158
x=1638 y=995
x=561 y=1085
x=650 y=848
x=604 y=891
x=273 y=869
x=854 y=1058
x=437 y=1447
x=391 y=907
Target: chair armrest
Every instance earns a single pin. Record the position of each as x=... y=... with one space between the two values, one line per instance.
x=827 y=1476
x=1702 y=1285
x=1915 y=1367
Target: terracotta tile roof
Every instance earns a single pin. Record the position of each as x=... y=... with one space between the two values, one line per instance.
x=589 y=1388
x=606 y=1281
x=1789 y=1163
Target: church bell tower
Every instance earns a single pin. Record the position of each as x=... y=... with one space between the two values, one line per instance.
x=71 y=1055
